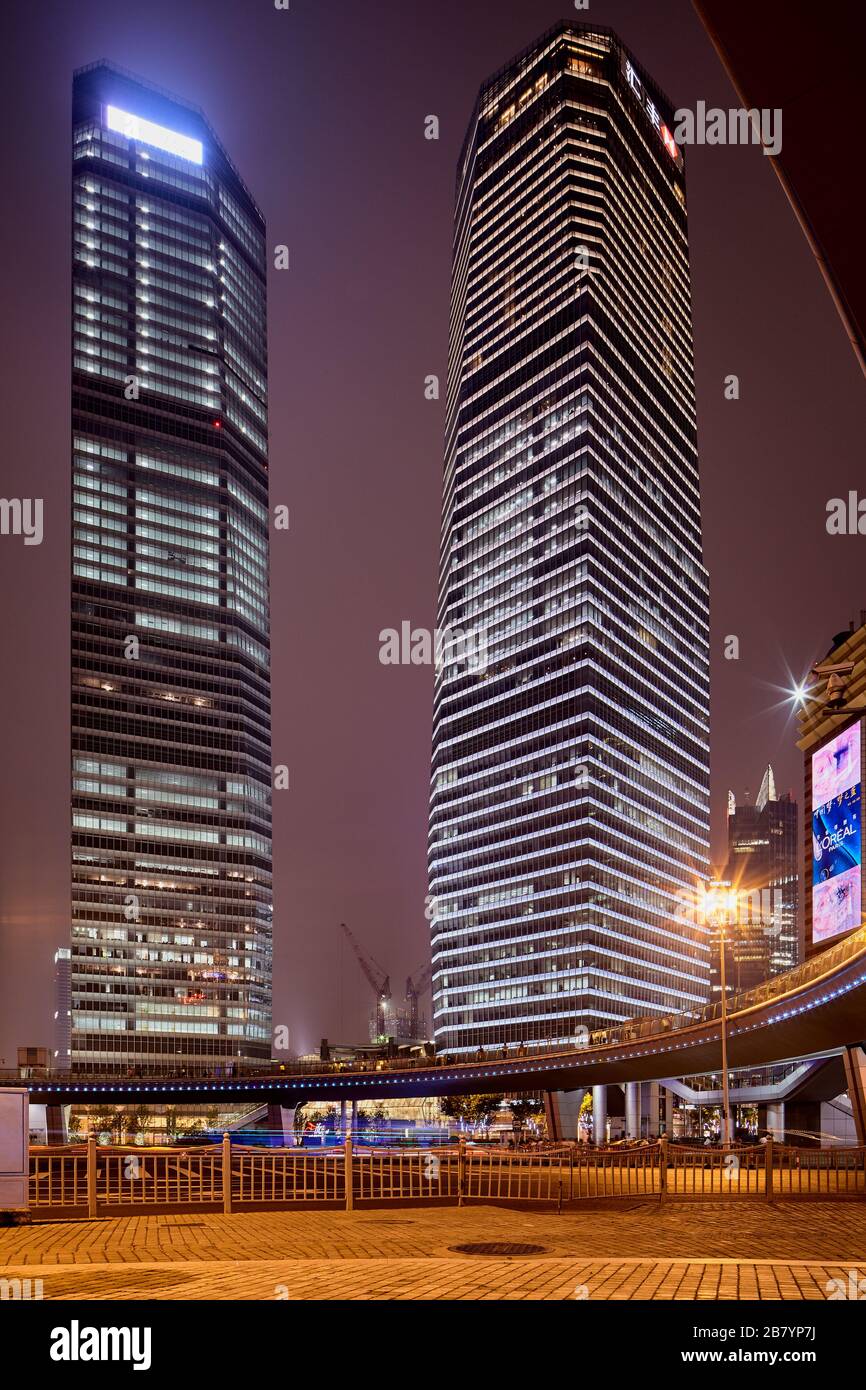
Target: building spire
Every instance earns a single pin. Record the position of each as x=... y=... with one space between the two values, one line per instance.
x=768 y=789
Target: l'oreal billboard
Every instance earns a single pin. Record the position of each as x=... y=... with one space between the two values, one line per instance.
x=837 y=836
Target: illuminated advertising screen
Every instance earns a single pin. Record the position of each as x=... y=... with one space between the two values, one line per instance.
x=836 y=836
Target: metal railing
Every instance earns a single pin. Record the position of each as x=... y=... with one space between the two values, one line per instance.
x=91 y=1180
x=284 y=1176
x=383 y=1175
x=58 y=1178
x=819 y=1172
x=634 y=1172
x=741 y=1170
x=543 y=1176
x=153 y=1178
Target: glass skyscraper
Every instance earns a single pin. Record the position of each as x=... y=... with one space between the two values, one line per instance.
x=569 y=793
x=764 y=865
x=171 y=761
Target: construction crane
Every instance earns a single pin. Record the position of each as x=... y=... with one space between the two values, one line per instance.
x=414 y=989
x=379 y=980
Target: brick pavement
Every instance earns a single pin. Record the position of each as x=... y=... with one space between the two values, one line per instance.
x=704 y=1251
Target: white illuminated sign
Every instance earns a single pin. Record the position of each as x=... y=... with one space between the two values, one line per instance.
x=651 y=110
x=135 y=128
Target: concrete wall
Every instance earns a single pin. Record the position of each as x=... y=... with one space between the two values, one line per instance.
x=837 y=1120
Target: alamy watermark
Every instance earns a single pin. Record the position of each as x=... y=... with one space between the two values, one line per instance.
x=737 y=126
x=22 y=516
x=854 y=1288
x=77 y=1343
x=846 y=516
x=21 y=1289
x=711 y=125
x=445 y=648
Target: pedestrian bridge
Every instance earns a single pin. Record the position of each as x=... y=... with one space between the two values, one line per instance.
x=815 y=1009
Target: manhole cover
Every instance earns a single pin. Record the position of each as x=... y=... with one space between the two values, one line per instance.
x=497 y=1247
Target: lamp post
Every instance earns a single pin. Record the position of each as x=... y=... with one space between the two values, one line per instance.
x=726 y=1098
x=719 y=907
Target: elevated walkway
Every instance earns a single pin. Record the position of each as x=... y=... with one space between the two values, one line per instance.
x=815 y=1010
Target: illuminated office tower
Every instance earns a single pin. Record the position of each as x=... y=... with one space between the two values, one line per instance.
x=171 y=763
x=569 y=789
x=764 y=866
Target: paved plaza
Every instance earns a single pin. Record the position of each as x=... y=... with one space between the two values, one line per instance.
x=775 y=1251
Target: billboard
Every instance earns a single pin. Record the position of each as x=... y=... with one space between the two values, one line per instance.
x=837 y=836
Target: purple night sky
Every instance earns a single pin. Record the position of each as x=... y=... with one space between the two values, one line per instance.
x=322 y=109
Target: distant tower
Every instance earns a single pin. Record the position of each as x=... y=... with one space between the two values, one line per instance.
x=61 y=1060
x=763 y=862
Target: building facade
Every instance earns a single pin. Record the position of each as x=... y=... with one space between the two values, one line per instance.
x=171 y=762
x=570 y=786
x=764 y=866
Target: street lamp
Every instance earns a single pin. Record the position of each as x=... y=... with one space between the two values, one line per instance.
x=719 y=909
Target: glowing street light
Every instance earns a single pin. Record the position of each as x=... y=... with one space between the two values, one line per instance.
x=718 y=904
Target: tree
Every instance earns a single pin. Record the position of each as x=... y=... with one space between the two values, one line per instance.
x=525 y=1108
x=135 y=1121
x=305 y=1115
x=475 y=1111
x=584 y=1115
x=106 y=1119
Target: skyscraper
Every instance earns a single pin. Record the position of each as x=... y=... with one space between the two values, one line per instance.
x=764 y=865
x=171 y=763
x=569 y=790
x=63 y=1013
